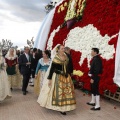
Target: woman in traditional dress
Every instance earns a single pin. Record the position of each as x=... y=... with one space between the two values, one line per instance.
x=41 y=69
x=57 y=92
x=4 y=83
x=12 y=61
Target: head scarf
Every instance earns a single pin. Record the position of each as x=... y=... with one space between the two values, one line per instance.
x=54 y=51
x=8 y=54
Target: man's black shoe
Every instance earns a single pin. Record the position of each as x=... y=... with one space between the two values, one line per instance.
x=94 y=109
x=92 y=104
x=24 y=93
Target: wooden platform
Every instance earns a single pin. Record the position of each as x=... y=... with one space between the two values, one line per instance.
x=115 y=96
x=26 y=108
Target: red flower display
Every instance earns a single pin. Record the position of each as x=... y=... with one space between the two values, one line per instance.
x=105 y=16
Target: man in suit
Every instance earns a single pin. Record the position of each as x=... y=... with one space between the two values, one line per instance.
x=70 y=64
x=34 y=62
x=94 y=73
x=25 y=64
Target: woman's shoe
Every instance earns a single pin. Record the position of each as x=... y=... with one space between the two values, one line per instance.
x=63 y=113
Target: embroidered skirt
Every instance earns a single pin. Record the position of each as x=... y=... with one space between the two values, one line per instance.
x=38 y=82
x=61 y=95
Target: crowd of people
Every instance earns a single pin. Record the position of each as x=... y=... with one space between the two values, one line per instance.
x=49 y=72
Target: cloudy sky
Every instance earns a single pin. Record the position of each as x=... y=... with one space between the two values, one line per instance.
x=21 y=19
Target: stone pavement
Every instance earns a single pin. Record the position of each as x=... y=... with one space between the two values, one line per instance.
x=21 y=107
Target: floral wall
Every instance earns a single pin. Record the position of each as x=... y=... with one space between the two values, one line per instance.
x=99 y=27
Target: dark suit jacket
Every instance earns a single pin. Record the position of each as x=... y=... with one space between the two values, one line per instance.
x=96 y=66
x=34 y=62
x=70 y=64
x=24 y=69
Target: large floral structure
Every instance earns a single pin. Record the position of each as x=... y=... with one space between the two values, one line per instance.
x=98 y=26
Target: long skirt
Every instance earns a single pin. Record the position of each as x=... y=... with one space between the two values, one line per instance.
x=16 y=79
x=19 y=78
x=4 y=86
x=38 y=82
x=60 y=96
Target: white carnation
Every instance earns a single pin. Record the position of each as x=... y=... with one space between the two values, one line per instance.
x=83 y=39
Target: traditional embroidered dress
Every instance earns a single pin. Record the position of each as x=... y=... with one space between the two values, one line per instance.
x=75 y=9
x=12 y=70
x=61 y=95
x=4 y=83
x=71 y=12
x=40 y=71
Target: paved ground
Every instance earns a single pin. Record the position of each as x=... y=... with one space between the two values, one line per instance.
x=26 y=108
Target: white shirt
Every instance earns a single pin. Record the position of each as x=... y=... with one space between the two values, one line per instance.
x=27 y=56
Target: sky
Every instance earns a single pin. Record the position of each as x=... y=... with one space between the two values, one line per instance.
x=21 y=19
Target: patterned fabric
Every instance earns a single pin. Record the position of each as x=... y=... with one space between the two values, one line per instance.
x=59 y=66
x=63 y=91
x=11 y=66
x=75 y=9
x=12 y=80
x=60 y=96
x=45 y=98
x=42 y=66
x=15 y=80
x=19 y=78
x=4 y=84
x=39 y=82
x=40 y=71
x=71 y=12
x=61 y=62
x=14 y=76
